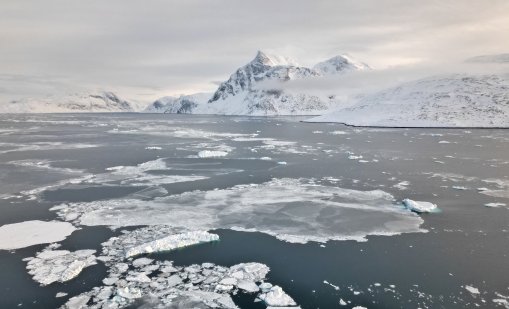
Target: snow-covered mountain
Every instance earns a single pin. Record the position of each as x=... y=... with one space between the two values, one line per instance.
x=440 y=101
x=184 y=104
x=255 y=89
x=94 y=102
x=339 y=65
x=498 y=58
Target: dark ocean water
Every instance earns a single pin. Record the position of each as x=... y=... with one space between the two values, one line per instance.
x=467 y=243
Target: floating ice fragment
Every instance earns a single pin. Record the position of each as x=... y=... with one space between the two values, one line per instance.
x=59 y=265
x=276 y=297
x=495 y=204
x=212 y=154
x=262 y=205
x=418 y=206
x=141 y=261
x=172 y=242
x=29 y=233
x=77 y=302
x=472 y=290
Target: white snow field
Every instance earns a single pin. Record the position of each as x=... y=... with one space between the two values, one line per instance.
x=459 y=100
x=93 y=102
x=29 y=233
x=294 y=210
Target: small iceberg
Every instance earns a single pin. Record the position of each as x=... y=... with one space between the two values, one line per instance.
x=419 y=206
x=59 y=265
x=212 y=154
x=172 y=242
x=29 y=233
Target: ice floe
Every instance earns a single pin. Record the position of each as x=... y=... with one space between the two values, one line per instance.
x=495 y=205
x=276 y=297
x=51 y=265
x=212 y=154
x=472 y=290
x=172 y=242
x=294 y=210
x=160 y=284
x=419 y=206
x=29 y=233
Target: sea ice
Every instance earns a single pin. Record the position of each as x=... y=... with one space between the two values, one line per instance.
x=418 y=206
x=29 y=233
x=212 y=154
x=59 y=265
x=159 y=284
x=472 y=289
x=172 y=242
x=495 y=205
x=276 y=297
x=294 y=210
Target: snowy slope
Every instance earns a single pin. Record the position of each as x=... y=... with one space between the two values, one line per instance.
x=73 y=103
x=440 y=101
x=184 y=104
x=498 y=58
x=339 y=65
x=255 y=88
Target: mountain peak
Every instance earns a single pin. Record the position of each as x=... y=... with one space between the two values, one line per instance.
x=340 y=64
x=272 y=60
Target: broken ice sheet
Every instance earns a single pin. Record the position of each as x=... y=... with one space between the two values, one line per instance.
x=51 y=265
x=294 y=210
x=159 y=284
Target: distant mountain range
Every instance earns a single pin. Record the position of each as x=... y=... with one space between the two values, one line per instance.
x=95 y=102
x=458 y=100
x=257 y=89
x=254 y=89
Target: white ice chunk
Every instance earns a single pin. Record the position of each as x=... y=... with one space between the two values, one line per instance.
x=276 y=297
x=212 y=154
x=418 y=206
x=59 y=265
x=29 y=233
x=77 y=302
x=472 y=289
x=172 y=242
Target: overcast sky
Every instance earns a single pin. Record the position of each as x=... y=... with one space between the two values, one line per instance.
x=146 y=49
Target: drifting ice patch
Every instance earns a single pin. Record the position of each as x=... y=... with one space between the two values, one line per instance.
x=294 y=210
x=472 y=290
x=419 y=207
x=212 y=154
x=276 y=297
x=59 y=265
x=495 y=205
x=160 y=284
x=29 y=233
x=172 y=242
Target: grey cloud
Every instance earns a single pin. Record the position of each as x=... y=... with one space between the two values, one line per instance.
x=168 y=47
